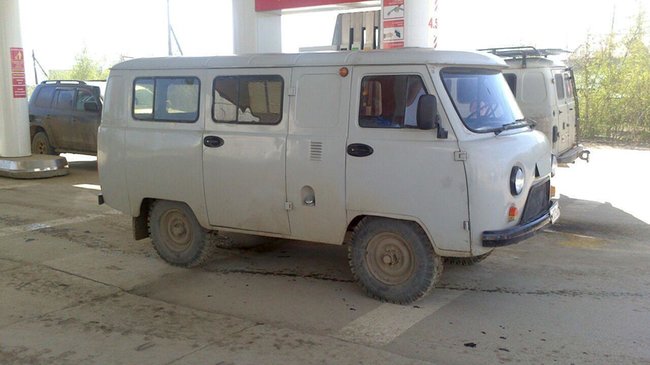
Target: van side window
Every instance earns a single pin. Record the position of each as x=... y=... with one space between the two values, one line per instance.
x=568 y=86
x=559 y=86
x=390 y=101
x=44 y=98
x=166 y=99
x=511 y=79
x=63 y=99
x=248 y=99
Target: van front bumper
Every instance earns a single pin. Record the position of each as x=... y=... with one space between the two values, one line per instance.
x=520 y=232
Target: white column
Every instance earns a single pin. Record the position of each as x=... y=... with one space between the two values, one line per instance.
x=14 y=115
x=255 y=32
x=409 y=23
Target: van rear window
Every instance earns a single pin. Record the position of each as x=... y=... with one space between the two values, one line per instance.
x=166 y=99
x=255 y=99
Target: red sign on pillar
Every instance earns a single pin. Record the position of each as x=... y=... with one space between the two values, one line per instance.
x=393 y=22
x=18 y=72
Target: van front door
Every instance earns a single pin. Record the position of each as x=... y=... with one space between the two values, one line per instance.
x=244 y=148
x=395 y=169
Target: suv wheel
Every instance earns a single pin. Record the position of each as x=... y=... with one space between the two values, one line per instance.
x=41 y=144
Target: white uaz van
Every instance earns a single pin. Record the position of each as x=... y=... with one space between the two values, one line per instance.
x=546 y=92
x=420 y=154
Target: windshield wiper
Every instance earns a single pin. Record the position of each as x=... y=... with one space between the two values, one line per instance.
x=519 y=123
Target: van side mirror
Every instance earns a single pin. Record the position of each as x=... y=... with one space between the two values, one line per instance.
x=427 y=116
x=91 y=106
x=427 y=112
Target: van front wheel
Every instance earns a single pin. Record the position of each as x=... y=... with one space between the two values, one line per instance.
x=177 y=236
x=393 y=260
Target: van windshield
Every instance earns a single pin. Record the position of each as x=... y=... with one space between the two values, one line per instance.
x=483 y=99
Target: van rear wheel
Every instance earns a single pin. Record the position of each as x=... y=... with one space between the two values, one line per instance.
x=393 y=260
x=177 y=236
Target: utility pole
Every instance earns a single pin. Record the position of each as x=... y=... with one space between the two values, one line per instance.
x=169 y=32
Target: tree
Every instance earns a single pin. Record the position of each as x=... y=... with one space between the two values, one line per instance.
x=613 y=79
x=85 y=68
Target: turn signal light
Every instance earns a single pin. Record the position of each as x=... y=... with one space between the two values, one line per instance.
x=512 y=213
x=552 y=191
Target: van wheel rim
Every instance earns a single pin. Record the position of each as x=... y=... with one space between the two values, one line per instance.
x=390 y=259
x=178 y=230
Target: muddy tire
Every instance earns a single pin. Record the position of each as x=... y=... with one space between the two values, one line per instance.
x=177 y=236
x=466 y=261
x=393 y=260
x=41 y=144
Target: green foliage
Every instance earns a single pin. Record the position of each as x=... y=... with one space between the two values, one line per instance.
x=85 y=68
x=613 y=79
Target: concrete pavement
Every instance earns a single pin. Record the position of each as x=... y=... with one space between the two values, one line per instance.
x=76 y=289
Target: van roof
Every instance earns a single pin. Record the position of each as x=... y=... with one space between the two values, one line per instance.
x=342 y=58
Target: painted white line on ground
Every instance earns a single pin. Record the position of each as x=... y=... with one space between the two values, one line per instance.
x=382 y=325
x=88 y=186
x=48 y=224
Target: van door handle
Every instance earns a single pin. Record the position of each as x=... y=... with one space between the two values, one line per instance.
x=359 y=150
x=213 y=141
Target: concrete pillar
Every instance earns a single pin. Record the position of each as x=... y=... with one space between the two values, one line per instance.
x=409 y=23
x=15 y=145
x=14 y=117
x=255 y=32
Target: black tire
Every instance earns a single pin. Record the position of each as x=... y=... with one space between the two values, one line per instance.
x=177 y=236
x=393 y=260
x=466 y=261
x=41 y=144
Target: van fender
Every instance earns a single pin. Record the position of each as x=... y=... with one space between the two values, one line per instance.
x=353 y=221
x=140 y=217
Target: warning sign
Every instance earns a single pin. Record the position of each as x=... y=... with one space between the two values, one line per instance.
x=393 y=24
x=18 y=72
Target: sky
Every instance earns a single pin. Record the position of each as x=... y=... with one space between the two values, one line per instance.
x=110 y=30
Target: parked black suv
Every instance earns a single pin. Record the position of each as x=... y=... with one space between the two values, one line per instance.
x=64 y=116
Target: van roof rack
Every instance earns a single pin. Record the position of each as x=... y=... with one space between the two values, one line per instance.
x=79 y=82
x=523 y=52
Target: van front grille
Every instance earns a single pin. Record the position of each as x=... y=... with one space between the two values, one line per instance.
x=538 y=201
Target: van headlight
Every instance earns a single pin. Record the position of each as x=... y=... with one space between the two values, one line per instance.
x=553 y=165
x=516 y=180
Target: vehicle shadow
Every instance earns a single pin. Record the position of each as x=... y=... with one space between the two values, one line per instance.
x=84 y=165
x=600 y=220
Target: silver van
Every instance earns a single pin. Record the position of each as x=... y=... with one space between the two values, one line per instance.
x=411 y=157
